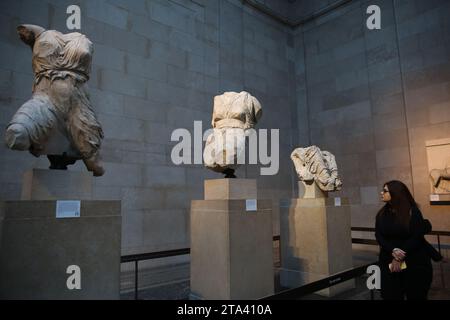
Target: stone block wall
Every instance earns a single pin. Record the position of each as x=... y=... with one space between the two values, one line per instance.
x=157 y=66
x=372 y=97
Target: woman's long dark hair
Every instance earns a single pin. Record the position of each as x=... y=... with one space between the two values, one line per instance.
x=401 y=202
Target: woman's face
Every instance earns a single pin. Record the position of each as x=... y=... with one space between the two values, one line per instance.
x=385 y=195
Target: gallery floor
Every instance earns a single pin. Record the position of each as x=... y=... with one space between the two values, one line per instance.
x=179 y=288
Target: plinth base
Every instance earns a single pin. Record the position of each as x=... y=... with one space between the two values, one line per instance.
x=36 y=250
x=316 y=242
x=231 y=244
x=45 y=184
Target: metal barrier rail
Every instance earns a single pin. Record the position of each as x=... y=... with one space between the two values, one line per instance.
x=148 y=256
x=315 y=286
x=436 y=233
x=371 y=242
x=155 y=255
x=184 y=251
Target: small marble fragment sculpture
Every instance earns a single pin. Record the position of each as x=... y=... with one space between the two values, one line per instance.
x=440 y=179
x=233 y=115
x=58 y=120
x=312 y=164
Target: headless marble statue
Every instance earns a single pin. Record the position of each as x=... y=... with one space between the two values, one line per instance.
x=234 y=113
x=58 y=120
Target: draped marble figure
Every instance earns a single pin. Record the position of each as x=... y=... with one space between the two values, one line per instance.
x=58 y=120
x=233 y=115
x=313 y=164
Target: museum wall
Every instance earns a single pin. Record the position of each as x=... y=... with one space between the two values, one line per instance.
x=424 y=43
x=375 y=97
x=157 y=66
x=371 y=97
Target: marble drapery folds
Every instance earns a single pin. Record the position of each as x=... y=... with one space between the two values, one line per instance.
x=58 y=120
x=233 y=115
x=313 y=164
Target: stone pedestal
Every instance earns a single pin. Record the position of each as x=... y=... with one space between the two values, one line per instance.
x=230 y=189
x=36 y=248
x=310 y=190
x=231 y=246
x=315 y=242
x=45 y=184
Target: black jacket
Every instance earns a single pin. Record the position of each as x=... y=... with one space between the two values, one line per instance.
x=390 y=234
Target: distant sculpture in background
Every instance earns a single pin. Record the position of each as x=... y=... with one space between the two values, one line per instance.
x=312 y=164
x=234 y=113
x=58 y=120
x=441 y=179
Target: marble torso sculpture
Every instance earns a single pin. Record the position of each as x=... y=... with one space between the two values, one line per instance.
x=233 y=114
x=441 y=179
x=58 y=120
x=312 y=164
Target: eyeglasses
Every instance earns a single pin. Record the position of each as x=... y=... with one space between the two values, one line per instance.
x=384 y=191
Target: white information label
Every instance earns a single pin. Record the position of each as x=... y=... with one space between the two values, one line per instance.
x=68 y=208
x=434 y=197
x=251 y=205
x=337 y=202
